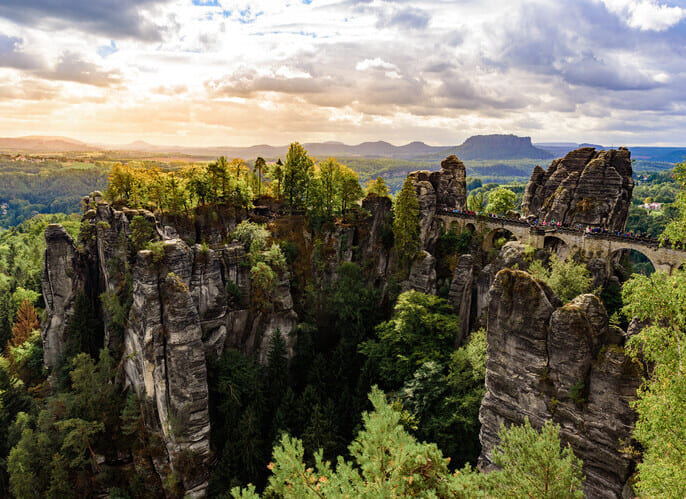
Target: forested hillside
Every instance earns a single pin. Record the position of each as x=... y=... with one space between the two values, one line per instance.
x=243 y=329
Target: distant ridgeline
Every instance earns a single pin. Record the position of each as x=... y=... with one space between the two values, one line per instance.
x=49 y=174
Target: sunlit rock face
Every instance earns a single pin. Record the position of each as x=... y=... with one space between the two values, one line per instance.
x=585 y=187
x=561 y=362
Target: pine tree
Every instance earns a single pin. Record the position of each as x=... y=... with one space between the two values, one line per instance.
x=60 y=488
x=406 y=223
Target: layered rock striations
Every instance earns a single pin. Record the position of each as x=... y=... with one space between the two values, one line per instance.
x=585 y=187
x=547 y=361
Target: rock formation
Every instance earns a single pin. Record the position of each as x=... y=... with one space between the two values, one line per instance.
x=461 y=291
x=450 y=184
x=58 y=290
x=439 y=190
x=547 y=361
x=585 y=187
x=186 y=302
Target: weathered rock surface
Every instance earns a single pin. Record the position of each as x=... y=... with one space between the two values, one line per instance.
x=422 y=274
x=58 y=290
x=186 y=302
x=450 y=184
x=461 y=291
x=165 y=359
x=585 y=187
x=440 y=190
x=547 y=361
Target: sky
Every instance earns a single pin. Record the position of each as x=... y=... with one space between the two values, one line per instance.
x=226 y=72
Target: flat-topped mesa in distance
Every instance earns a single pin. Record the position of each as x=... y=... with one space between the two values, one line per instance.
x=586 y=187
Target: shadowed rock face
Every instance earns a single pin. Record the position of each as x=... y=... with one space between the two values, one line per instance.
x=547 y=361
x=186 y=302
x=58 y=290
x=586 y=187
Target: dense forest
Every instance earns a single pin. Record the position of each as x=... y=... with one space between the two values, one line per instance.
x=379 y=398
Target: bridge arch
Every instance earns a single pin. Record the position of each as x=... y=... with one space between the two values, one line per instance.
x=641 y=261
x=556 y=245
x=494 y=235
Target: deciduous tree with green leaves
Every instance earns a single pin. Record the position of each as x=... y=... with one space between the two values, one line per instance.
x=501 y=201
x=660 y=299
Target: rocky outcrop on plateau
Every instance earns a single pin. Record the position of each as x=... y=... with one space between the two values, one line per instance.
x=549 y=361
x=586 y=187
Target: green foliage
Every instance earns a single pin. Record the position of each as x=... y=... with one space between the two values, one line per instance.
x=141 y=232
x=501 y=201
x=406 y=223
x=234 y=291
x=567 y=278
x=263 y=278
x=661 y=405
x=534 y=466
x=297 y=174
x=451 y=242
x=71 y=428
x=386 y=461
x=675 y=231
x=423 y=328
x=251 y=235
x=377 y=186
x=46 y=186
x=445 y=402
x=475 y=202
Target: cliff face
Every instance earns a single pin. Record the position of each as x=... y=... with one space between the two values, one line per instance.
x=547 y=361
x=58 y=290
x=163 y=311
x=445 y=189
x=585 y=187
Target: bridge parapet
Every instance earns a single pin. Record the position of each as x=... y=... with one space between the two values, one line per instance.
x=600 y=244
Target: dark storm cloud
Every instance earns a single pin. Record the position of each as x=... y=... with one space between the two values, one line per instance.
x=114 y=18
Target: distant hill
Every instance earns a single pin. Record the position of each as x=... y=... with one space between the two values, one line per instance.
x=495 y=147
x=476 y=148
x=38 y=144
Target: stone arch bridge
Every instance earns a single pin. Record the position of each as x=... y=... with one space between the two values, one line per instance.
x=564 y=240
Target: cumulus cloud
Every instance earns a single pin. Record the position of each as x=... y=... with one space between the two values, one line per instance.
x=647 y=14
x=435 y=70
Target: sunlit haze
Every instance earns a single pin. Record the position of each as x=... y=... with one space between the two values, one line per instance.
x=224 y=72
